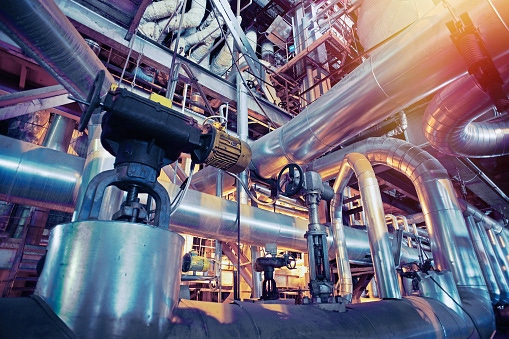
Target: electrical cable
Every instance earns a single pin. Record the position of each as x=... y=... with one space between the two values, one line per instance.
x=183 y=190
x=249 y=193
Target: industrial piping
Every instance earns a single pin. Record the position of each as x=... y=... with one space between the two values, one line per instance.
x=451 y=246
x=422 y=49
x=379 y=242
x=448 y=120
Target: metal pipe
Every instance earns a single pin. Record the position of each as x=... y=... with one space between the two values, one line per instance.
x=470 y=210
x=377 y=230
x=422 y=49
x=451 y=246
x=67 y=58
x=424 y=318
x=59 y=134
x=500 y=274
x=486 y=265
x=449 y=119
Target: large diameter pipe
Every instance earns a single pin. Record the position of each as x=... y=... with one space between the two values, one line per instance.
x=30 y=175
x=451 y=246
x=48 y=37
x=423 y=318
x=37 y=176
x=379 y=242
x=449 y=118
x=426 y=58
x=112 y=279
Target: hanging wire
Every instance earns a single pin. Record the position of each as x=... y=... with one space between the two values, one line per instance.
x=183 y=190
x=131 y=45
x=249 y=193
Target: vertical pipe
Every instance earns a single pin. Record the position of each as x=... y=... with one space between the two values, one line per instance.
x=218 y=253
x=499 y=271
x=486 y=266
x=378 y=235
x=59 y=134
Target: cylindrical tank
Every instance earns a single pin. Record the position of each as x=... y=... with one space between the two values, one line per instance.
x=111 y=279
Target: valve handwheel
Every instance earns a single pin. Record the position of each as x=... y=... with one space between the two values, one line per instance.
x=290 y=179
x=93 y=100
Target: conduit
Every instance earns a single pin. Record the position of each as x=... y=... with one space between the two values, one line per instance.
x=449 y=120
x=379 y=242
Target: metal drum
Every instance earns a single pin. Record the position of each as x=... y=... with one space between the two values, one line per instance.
x=112 y=279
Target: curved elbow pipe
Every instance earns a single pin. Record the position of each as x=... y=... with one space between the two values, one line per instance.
x=379 y=242
x=449 y=122
x=426 y=60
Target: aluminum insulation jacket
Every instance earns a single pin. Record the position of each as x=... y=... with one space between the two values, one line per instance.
x=449 y=122
x=378 y=235
x=36 y=176
x=451 y=246
x=427 y=59
x=68 y=59
x=255 y=320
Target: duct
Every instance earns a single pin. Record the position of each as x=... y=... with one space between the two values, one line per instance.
x=449 y=120
x=379 y=242
x=23 y=21
x=423 y=49
x=486 y=265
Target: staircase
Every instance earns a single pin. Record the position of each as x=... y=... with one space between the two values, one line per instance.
x=23 y=277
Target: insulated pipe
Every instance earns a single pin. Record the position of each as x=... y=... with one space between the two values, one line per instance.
x=449 y=120
x=423 y=49
x=378 y=235
x=486 y=265
x=160 y=9
x=47 y=36
x=59 y=134
x=36 y=176
x=412 y=317
x=500 y=274
x=479 y=216
x=211 y=31
x=451 y=246
x=223 y=61
x=192 y=18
